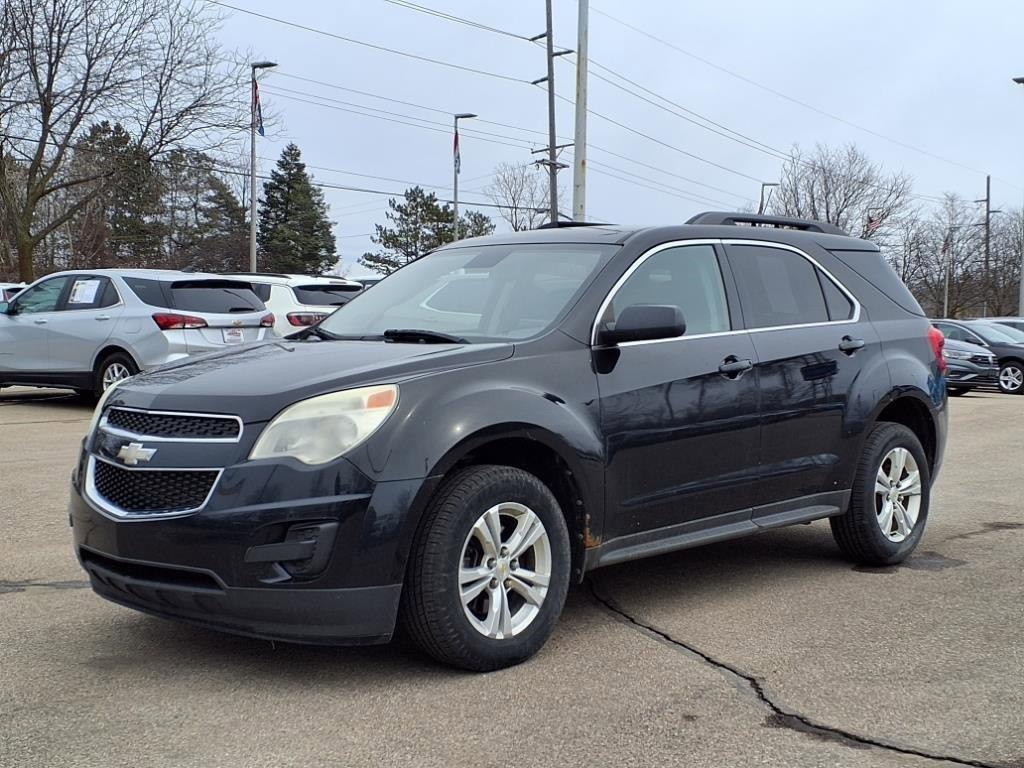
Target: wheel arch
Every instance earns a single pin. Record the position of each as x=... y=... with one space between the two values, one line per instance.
x=914 y=411
x=109 y=349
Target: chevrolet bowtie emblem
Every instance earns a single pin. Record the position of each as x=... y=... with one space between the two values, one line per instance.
x=133 y=453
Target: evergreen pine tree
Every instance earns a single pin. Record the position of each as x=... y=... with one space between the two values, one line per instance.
x=294 y=232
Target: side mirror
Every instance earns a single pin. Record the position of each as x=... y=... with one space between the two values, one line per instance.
x=5 y=308
x=644 y=322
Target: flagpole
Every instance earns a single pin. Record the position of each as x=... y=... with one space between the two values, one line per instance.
x=456 y=167
x=253 y=102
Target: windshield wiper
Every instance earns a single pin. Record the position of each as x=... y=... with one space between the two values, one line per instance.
x=422 y=336
x=315 y=330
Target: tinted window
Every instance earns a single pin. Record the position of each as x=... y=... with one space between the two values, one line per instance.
x=149 y=291
x=43 y=297
x=221 y=296
x=262 y=290
x=776 y=287
x=838 y=303
x=954 y=332
x=325 y=295
x=90 y=292
x=996 y=332
x=465 y=294
x=523 y=290
x=687 y=277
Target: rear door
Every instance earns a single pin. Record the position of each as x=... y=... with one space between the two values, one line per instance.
x=231 y=309
x=679 y=416
x=89 y=311
x=811 y=339
x=25 y=333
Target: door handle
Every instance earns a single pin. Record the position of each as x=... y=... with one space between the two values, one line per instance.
x=39 y=321
x=733 y=368
x=849 y=345
x=102 y=317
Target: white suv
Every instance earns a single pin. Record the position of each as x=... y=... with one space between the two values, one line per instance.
x=298 y=301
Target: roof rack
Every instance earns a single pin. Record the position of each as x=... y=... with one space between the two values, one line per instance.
x=258 y=274
x=561 y=224
x=760 y=220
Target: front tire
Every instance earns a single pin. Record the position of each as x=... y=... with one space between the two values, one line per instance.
x=489 y=570
x=1011 y=378
x=957 y=391
x=889 y=500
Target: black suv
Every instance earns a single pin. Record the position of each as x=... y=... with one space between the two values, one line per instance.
x=492 y=421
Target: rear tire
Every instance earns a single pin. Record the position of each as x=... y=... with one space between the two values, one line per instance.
x=473 y=566
x=116 y=366
x=889 y=500
x=957 y=391
x=1011 y=378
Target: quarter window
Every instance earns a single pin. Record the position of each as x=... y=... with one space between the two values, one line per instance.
x=43 y=297
x=778 y=287
x=685 y=276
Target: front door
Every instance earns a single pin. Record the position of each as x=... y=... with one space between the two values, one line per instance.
x=679 y=416
x=24 y=332
x=813 y=343
x=89 y=312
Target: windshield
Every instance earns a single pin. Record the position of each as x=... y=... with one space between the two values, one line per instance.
x=481 y=294
x=999 y=332
x=995 y=334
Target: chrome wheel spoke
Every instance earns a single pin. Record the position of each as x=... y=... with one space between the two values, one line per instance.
x=910 y=512
x=531 y=595
x=881 y=482
x=902 y=527
x=526 y=534
x=532 y=577
x=897 y=461
x=473 y=581
x=885 y=517
x=496 y=604
x=911 y=484
x=487 y=531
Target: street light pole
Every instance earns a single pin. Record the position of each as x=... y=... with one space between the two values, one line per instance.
x=579 y=175
x=1020 y=293
x=253 y=105
x=760 y=203
x=456 y=167
x=949 y=263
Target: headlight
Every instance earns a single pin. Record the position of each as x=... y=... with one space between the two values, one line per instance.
x=100 y=405
x=952 y=354
x=322 y=428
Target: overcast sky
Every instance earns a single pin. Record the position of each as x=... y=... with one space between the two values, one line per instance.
x=933 y=75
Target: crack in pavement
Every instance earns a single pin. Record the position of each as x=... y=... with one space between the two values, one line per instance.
x=779 y=718
x=21 y=586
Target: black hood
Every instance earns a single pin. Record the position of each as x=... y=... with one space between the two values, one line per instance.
x=255 y=382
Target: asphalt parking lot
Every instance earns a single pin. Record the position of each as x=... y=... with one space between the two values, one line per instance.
x=765 y=651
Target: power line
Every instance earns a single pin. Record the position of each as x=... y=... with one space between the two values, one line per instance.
x=383 y=49
x=458 y=19
x=782 y=95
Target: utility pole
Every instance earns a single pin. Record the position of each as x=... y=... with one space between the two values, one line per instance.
x=987 y=200
x=255 y=113
x=552 y=149
x=579 y=171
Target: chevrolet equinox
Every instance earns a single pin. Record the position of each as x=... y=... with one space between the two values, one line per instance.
x=492 y=421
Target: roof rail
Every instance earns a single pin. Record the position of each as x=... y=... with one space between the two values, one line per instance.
x=760 y=220
x=561 y=224
x=258 y=274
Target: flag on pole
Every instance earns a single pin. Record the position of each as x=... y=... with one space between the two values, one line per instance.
x=455 y=150
x=874 y=222
x=256 y=108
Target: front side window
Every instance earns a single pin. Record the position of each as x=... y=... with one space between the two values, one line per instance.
x=43 y=297
x=508 y=292
x=686 y=276
x=777 y=287
x=954 y=332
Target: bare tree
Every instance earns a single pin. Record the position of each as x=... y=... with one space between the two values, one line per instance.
x=150 y=66
x=841 y=186
x=521 y=194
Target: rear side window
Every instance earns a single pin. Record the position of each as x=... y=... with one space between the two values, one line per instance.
x=777 y=287
x=262 y=290
x=219 y=296
x=838 y=303
x=325 y=295
x=88 y=292
x=148 y=291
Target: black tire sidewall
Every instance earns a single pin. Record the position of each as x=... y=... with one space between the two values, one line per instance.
x=890 y=436
x=957 y=391
x=1019 y=390
x=448 y=534
x=106 y=362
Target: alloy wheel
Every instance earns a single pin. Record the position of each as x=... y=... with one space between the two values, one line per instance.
x=898 y=494
x=113 y=373
x=1011 y=378
x=505 y=570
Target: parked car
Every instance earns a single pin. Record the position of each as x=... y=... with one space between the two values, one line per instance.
x=1014 y=322
x=9 y=290
x=619 y=393
x=87 y=329
x=298 y=301
x=969 y=366
x=1001 y=340
x=368 y=282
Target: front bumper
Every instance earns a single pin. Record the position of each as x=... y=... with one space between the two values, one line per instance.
x=967 y=375
x=199 y=567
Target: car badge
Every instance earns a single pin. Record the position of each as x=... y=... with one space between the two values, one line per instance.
x=236 y=322
x=133 y=453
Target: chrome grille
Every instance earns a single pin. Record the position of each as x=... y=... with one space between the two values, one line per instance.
x=151 y=491
x=983 y=360
x=173 y=426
